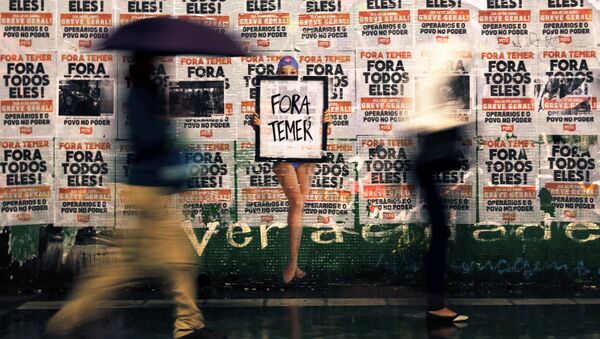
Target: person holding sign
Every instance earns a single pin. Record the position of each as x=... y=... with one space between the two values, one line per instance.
x=295 y=179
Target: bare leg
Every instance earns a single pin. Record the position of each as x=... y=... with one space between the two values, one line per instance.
x=305 y=174
x=289 y=183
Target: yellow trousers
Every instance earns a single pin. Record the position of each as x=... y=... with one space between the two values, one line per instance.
x=156 y=247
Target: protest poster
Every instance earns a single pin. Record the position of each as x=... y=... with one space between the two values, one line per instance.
x=83 y=24
x=84 y=184
x=330 y=201
x=384 y=24
x=26 y=182
x=291 y=113
x=246 y=88
x=216 y=14
x=27 y=94
x=445 y=22
x=457 y=187
x=508 y=24
x=209 y=193
x=567 y=23
x=451 y=72
x=126 y=213
x=340 y=70
x=567 y=91
x=387 y=190
x=28 y=25
x=132 y=10
x=569 y=178
x=507 y=186
x=325 y=25
x=505 y=91
x=385 y=90
x=162 y=73
x=260 y=199
x=86 y=95
x=200 y=101
x=265 y=25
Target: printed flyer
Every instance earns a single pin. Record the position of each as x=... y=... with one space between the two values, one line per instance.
x=507 y=185
x=27 y=94
x=384 y=24
x=339 y=68
x=162 y=73
x=385 y=90
x=260 y=199
x=505 y=90
x=246 y=89
x=200 y=101
x=508 y=24
x=216 y=14
x=210 y=183
x=386 y=183
x=567 y=91
x=86 y=95
x=26 y=182
x=28 y=25
x=325 y=25
x=84 y=184
x=569 y=180
x=83 y=23
x=266 y=24
x=567 y=23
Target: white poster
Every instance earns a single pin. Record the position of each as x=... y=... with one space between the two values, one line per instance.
x=86 y=95
x=27 y=94
x=26 y=182
x=84 y=185
x=28 y=25
x=83 y=23
x=291 y=113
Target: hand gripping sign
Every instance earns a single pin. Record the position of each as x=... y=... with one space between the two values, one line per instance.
x=291 y=111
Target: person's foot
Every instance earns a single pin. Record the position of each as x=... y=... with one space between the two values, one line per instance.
x=289 y=273
x=205 y=333
x=299 y=273
x=447 y=315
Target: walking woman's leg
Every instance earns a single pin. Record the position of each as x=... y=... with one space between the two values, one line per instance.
x=289 y=183
x=435 y=259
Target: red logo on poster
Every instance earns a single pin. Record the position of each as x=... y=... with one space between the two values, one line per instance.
x=323 y=219
x=324 y=43
x=245 y=145
x=570 y=214
x=569 y=127
x=85 y=43
x=206 y=133
x=385 y=127
x=23 y=216
x=26 y=130
x=565 y=39
x=442 y=39
x=266 y=218
x=85 y=130
x=503 y=40
x=508 y=128
x=384 y=40
x=509 y=216
x=263 y=42
x=389 y=215
x=83 y=218
x=25 y=43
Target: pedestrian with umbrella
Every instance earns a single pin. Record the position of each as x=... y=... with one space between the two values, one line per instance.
x=157 y=246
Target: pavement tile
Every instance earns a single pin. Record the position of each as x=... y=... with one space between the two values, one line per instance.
x=296 y=302
x=356 y=302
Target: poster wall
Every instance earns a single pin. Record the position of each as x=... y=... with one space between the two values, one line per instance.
x=522 y=75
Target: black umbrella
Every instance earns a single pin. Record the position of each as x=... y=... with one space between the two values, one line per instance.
x=168 y=36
